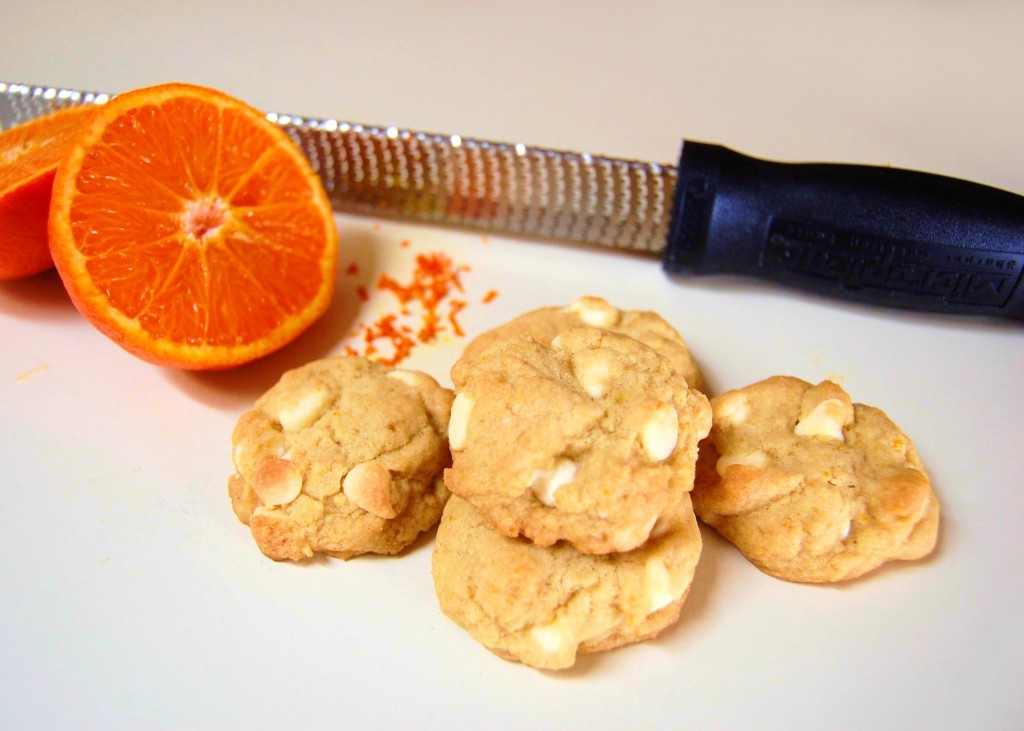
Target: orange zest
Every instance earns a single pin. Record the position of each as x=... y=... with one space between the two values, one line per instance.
x=191 y=230
x=388 y=329
x=29 y=155
x=432 y=281
x=435 y=281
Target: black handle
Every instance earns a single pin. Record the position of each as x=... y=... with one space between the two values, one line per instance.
x=878 y=235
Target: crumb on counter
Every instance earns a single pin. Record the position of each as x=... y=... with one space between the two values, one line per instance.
x=31 y=372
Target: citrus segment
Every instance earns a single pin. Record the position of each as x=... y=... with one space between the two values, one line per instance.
x=29 y=155
x=191 y=230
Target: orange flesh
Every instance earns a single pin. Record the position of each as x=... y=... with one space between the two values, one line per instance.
x=37 y=146
x=29 y=155
x=197 y=227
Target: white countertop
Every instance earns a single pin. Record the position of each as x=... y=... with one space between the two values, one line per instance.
x=131 y=597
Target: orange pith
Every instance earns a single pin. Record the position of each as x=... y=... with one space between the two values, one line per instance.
x=191 y=230
x=29 y=155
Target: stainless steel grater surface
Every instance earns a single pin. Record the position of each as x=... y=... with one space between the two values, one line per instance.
x=452 y=180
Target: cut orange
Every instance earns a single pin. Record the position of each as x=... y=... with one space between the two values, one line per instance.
x=191 y=230
x=29 y=155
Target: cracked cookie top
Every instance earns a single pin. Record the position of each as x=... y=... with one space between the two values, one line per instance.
x=546 y=323
x=342 y=456
x=589 y=440
x=811 y=486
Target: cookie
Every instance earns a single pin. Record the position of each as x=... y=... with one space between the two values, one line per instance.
x=342 y=456
x=545 y=324
x=542 y=606
x=811 y=487
x=590 y=440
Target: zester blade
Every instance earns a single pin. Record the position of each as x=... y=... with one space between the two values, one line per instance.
x=453 y=180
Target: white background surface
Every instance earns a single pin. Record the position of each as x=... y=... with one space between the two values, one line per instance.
x=130 y=597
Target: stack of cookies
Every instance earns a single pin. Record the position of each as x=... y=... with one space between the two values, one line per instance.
x=574 y=440
x=566 y=469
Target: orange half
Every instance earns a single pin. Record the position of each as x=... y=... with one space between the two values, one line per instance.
x=29 y=155
x=191 y=230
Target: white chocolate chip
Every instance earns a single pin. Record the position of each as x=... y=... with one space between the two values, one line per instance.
x=545 y=483
x=731 y=408
x=241 y=453
x=660 y=433
x=368 y=485
x=458 y=424
x=304 y=410
x=660 y=528
x=552 y=637
x=413 y=379
x=751 y=459
x=658 y=585
x=238 y=455
x=825 y=420
x=277 y=482
x=845 y=532
x=922 y=509
x=276 y=534
x=596 y=312
x=595 y=370
x=630 y=537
